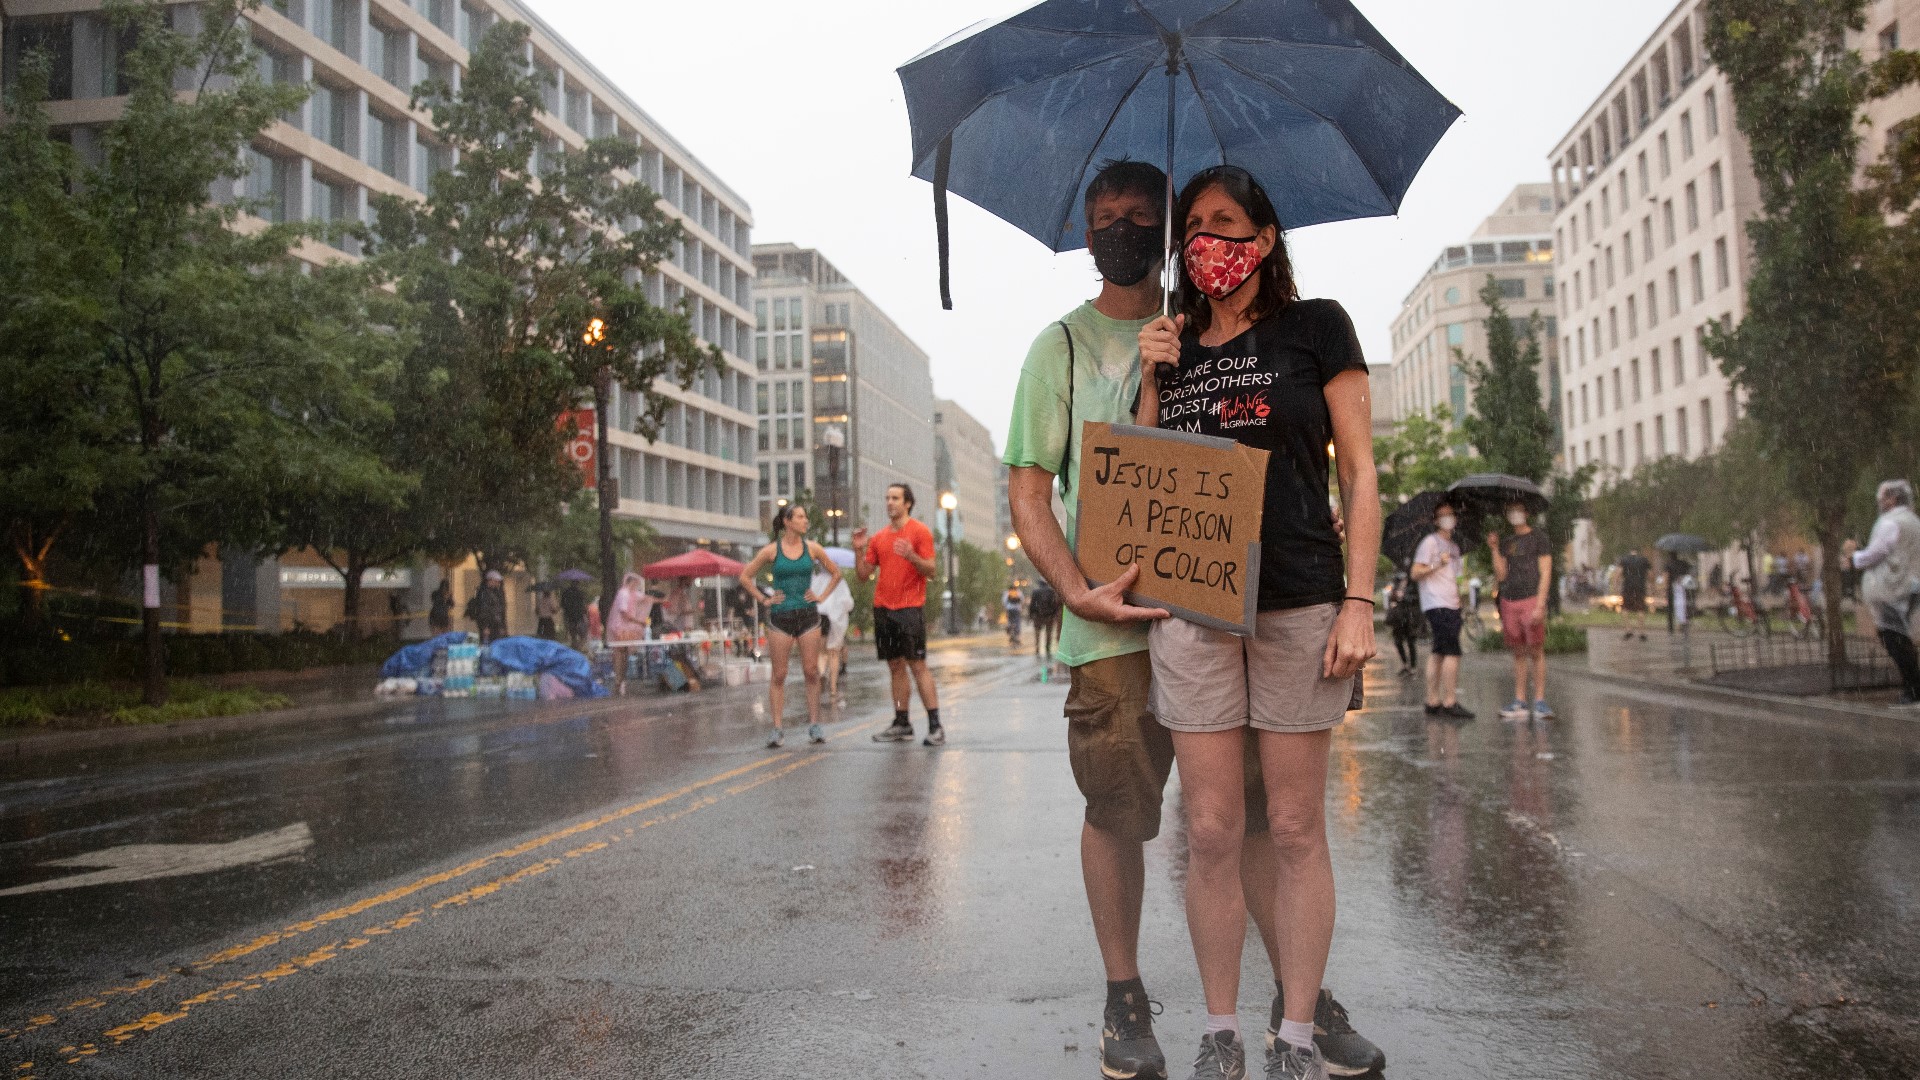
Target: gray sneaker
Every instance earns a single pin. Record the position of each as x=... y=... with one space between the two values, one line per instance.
x=1222 y=1057
x=1289 y=1062
x=1128 y=1050
x=1345 y=1051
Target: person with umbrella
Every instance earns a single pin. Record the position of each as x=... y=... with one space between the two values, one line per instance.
x=573 y=610
x=1436 y=566
x=1247 y=359
x=1635 y=568
x=1085 y=367
x=1523 y=565
x=795 y=614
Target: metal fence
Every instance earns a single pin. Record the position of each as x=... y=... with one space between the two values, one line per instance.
x=1786 y=665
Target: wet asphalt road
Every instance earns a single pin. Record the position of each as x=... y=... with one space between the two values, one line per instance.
x=1644 y=888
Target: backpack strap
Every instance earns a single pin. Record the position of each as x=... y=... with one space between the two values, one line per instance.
x=1066 y=460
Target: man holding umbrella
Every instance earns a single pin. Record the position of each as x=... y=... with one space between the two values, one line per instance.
x=1436 y=566
x=1086 y=368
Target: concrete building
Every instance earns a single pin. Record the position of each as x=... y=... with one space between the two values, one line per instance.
x=1889 y=25
x=1444 y=313
x=964 y=463
x=1655 y=186
x=355 y=137
x=829 y=362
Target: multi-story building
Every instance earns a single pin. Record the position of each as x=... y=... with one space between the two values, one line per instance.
x=1655 y=187
x=965 y=464
x=357 y=136
x=1444 y=319
x=845 y=399
x=1889 y=120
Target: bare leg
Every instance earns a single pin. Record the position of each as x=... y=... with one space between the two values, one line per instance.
x=902 y=689
x=1296 y=769
x=1115 y=871
x=810 y=668
x=620 y=670
x=777 y=689
x=1520 y=676
x=1260 y=885
x=1435 y=680
x=923 y=677
x=1212 y=778
x=1540 y=673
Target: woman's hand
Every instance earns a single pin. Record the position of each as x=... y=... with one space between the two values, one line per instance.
x=774 y=596
x=1160 y=344
x=1351 y=644
x=812 y=599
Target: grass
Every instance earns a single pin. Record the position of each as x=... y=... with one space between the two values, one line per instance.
x=1562 y=639
x=97 y=704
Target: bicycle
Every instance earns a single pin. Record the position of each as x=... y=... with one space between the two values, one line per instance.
x=1740 y=617
x=1803 y=620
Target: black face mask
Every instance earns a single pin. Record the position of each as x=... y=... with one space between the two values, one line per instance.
x=1124 y=252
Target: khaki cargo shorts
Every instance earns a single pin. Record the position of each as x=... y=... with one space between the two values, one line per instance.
x=1210 y=680
x=1122 y=756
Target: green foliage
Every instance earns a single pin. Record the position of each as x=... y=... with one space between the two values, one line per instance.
x=92 y=703
x=83 y=655
x=982 y=580
x=1509 y=426
x=572 y=538
x=1424 y=453
x=1563 y=639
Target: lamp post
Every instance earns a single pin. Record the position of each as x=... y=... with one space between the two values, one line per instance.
x=1013 y=545
x=948 y=501
x=834 y=439
x=595 y=337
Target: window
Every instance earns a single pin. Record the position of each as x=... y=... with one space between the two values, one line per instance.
x=1606 y=206
x=1583 y=403
x=1646 y=237
x=780 y=397
x=1699 y=278
x=327 y=115
x=1613 y=328
x=1706 y=424
x=784 y=474
x=1693 y=206
x=1626 y=251
x=766 y=435
x=1609 y=258
x=1722 y=267
x=1512 y=288
x=1600 y=396
x=1680 y=430
x=1582 y=349
x=1890 y=38
x=1716 y=190
x=1653 y=369
x=1660 y=436
x=1673 y=291
x=1666 y=157
x=760 y=314
x=1686 y=135
x=779 y=351
x=1666 y=222
x=1700 y=349
x=1710 y=105
x=1653 y=307
x=1633 y=318
x=1624 y=205
x=1679 y=364
x=1456 y=335
x=1642 y=165
x=1639 y=443
x=1579 y=294
x=1618 y=403
x=1453 y=295
x=1633 y=371
x=1593 y=279
x=760 y=351
x=270 y=186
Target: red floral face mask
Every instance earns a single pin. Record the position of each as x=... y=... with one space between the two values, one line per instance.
x=1218 y=265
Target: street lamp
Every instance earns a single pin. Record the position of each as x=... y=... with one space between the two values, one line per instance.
x=949 y=502
x=595 y=337
x=835 y=440
x=1013 y=545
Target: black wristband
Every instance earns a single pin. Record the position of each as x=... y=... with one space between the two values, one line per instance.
x=1365 y=600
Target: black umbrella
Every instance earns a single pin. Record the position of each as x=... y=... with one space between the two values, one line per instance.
x=1491 y=492
x=1412 y=520
x=1683 y=544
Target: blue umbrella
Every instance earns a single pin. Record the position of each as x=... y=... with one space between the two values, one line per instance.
x=1016 y=116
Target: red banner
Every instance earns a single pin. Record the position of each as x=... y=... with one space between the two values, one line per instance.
x=580 y=448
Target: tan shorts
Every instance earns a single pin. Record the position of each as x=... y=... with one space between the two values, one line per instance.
x=1121 y=757
x=1210 y=680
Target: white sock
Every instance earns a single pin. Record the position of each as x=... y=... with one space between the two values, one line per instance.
x=1227 y=1022
x=1296 y=1033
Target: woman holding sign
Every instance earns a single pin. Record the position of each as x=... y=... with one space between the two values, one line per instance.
x=1246 y=359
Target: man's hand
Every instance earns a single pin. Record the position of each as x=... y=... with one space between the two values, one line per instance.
x=859 y=541
x=903 y=548
x=1848 y=548
x=1108 y=603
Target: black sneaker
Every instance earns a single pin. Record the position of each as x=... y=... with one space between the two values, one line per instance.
x=895 y=733
x=935 y=737
x=1436 y=710
x=1128 y=1050
x=1346 y=1051
x=1457 y=711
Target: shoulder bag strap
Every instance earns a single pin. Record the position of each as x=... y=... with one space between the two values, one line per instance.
x=1066 y=459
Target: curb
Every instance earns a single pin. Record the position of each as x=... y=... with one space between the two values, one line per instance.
x=45 y=744
x=1834 y=715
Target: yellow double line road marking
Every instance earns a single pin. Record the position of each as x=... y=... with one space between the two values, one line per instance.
x=233 y=988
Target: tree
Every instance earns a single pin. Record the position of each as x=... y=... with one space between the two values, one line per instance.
x=571 y=538
x=528 y=263
x=1424 y=453
x=1825 y=352
x=1509 y=426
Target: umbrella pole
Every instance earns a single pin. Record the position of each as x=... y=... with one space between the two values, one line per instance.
x=1166 y=267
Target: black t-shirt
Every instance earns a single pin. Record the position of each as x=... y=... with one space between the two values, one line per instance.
x=1266 y=389
x=1523 y=553
x=1634 y=569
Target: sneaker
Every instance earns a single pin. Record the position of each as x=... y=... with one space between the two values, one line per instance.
x=1128 y=1050
x=1222 y=1057
x=1457 y=711
x=1643 y=637
x=1436 y=710
x=1516 y=710
x=895 y=733
x=1288 y=1062
x=935 y=737
x=1628 y=636
x=1344 y=1051
x=1542 y=710
x=815 y=735
x=779 y=739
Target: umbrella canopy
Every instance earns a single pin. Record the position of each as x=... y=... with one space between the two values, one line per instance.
x=842 y=557
x=1016 y=116
x=1489 y=492
x=1683 y=544
x=573 y=575
x=697 y=563
x=1413 y=520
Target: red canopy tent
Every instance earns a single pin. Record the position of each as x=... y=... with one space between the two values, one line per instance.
x=697 y=563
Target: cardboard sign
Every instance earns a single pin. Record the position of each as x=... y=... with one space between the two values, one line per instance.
x=1185 y=507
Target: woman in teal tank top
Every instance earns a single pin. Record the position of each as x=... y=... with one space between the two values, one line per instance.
x=792 y=558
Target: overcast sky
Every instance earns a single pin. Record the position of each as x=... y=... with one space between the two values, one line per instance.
x=796 y=107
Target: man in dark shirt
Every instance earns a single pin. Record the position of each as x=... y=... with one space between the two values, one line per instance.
x=1635 y=568
x=1523 y=564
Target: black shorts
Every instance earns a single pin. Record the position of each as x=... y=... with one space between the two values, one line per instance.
x=1445 y=623
x=795 y=622
x=1633 y=602
x=900 y=633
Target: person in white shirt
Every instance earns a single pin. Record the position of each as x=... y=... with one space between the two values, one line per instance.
x=1891 y=585
x=1436 y=566
x=837 y=610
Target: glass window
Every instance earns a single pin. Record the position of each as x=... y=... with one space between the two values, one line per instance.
x=1722 y=267
x=1653 y=306
x=783 y=473
x=779 y=313
x=799 y=467
x=1453 y=295
x=780 y=397
x=1693 y=206
x=780 y=434
x=760 y=314
x=1716 y=189
x=760 y=351
x=1666 y=222
x=1653 y=369
x=1679 y=364
x=1711 y=107
x=1686 y=135
x=799 y=351
x=1456 y=334
x=1666 y=156
x=766 y=433
x=1680 y=429
x=1699 y=278
x=1642 y=164
x=780 y=352
x=1513 y=288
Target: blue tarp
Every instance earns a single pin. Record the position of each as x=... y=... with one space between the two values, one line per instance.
x=416 y=660
x=538 y=656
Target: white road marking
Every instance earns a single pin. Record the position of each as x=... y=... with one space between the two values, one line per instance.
x=141 y=862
